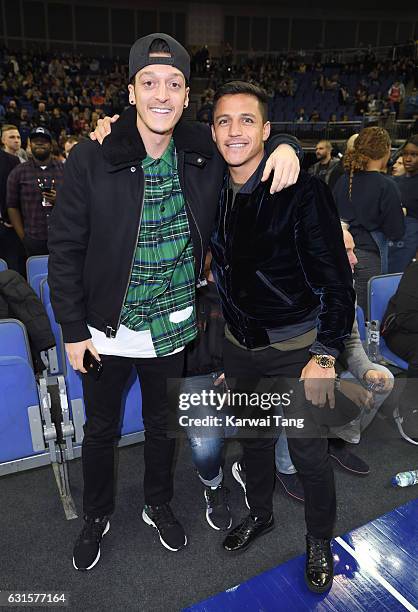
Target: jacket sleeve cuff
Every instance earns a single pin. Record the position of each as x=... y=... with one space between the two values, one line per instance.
x=318 y=348
x=279 y=139
x=76 y=331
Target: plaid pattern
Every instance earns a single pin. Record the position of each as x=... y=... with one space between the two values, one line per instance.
x=24 y=193
x=162 y=279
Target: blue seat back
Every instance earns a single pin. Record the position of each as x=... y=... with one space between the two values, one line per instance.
x=14 y=340
x=36 y=271
x=380 y=290
x=3 y=265
x=18 y=391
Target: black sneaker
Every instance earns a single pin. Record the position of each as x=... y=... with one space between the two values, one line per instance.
x=238 y=472
x=87 y=547
x=218 y=514
x=244 y=534
x=292 y=486
x=171 y=533
x=319 y=568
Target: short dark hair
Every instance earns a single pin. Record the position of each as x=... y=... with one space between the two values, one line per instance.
x=234 y=88
x=412 y=140
x=159 y=45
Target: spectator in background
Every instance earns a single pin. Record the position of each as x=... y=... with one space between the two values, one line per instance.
x=411 y=104
x=10 y=247
x=97 y=99
x=301 y=115
x=31 y=192
x=326 y=163
x=41 y=117
x=400 y=330
x=396 y=96
x=12 y=142
x=405 y=250
x=70 y=142
x=58 y=122
x=371 y=203
x=398 y=169
x=12 y=113
x=315 y=116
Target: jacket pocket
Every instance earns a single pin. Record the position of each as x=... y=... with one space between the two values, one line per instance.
x=275 y=290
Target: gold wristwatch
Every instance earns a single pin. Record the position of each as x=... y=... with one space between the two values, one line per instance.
x=325 y=361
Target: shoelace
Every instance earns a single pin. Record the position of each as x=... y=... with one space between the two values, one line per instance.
x=163 y=516
x=245 y=525
x=317 y=553
x=218 y=496
x=92 y=530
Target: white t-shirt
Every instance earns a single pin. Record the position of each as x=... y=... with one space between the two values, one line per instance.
x=127 y=343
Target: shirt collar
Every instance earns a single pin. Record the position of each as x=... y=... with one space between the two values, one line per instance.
x=168 y=157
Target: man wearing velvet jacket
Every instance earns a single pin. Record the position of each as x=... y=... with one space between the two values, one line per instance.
x=288 y=300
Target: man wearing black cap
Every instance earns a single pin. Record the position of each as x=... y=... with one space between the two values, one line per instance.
x=127 y=247
x=31 y=192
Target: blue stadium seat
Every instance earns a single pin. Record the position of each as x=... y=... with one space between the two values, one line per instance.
x=56 y=330
x=3 y=265
x=36 y=271
x=380 y=290
x=18 y=392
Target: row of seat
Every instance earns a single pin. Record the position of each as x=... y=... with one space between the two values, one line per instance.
x=42 y=417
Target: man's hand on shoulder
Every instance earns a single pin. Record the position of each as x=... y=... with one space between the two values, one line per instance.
x=286 y=167
x=103 y=129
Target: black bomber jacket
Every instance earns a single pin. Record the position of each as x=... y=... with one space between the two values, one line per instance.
x=279 y=262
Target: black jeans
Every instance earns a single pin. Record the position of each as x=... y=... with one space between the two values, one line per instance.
x=35 y=247
x=309 y=454
x=11 y=250
x=102 y=401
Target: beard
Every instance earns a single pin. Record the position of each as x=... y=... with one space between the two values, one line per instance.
x=41 y=155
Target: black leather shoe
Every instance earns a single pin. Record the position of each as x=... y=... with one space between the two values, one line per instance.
x=319 y=570
x=246 y=532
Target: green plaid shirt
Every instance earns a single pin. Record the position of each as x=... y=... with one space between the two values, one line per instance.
x=163 y=278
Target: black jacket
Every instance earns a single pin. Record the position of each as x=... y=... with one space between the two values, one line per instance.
x=95 y=223
x=402 y=310
x=19 y=301
x=283 y=265
x=7 y=163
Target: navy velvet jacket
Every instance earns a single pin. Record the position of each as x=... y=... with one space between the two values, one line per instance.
x=280 y=264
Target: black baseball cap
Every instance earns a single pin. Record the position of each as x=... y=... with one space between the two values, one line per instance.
x=139 y=55
x=41 y=132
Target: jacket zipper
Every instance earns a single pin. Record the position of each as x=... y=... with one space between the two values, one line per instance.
x=133 y=255
x=275 y=290
x=201 y=282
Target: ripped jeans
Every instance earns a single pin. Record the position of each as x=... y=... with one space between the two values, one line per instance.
x=206 y=441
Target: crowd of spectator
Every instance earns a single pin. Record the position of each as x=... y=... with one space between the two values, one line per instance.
x=332 y=91
x=69 y=93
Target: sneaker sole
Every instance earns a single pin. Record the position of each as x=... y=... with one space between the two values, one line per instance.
x=347 y=468
x=86 y=569
x=247 y=546
x=289 y=493
x=213 y=524
x=150 y=522
x=236 y=475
